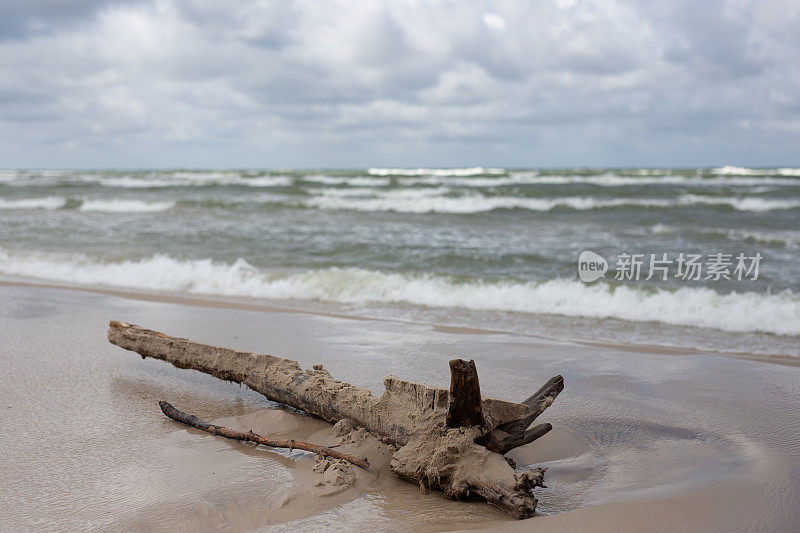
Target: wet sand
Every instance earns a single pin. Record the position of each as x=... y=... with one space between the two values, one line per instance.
x=651 y=439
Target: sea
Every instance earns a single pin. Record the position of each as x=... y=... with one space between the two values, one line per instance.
x=486 y=248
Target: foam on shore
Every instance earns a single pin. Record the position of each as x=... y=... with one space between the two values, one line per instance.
x=750 y=311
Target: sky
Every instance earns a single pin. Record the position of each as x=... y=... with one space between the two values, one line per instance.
x=406 y=83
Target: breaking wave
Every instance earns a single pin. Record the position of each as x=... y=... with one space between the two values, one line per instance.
x=691 y=306
x=472 y=171
x=433 y=201
x=740 y=204
x=186 y=179
x=461 y=177
x=404 y=200
x=615 y=180
x=355 y=181
x=49 y=202
x=125 y=206
x=608 y=179
x=744 y=171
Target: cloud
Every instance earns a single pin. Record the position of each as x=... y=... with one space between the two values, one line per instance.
x=494 y=22
x=302 y=84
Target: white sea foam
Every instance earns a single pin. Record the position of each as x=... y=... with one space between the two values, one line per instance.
x=48 y=202
x=740 y=204
x=472 y=171
x=469 y=182
x=462 y=177
x=131 y=182
x=355 y=181
x=730 y=170
x=744 y=171
x=265 y=181
x=433 y=201
x=614 y=180
x=186 y=179
x=652 y=171
x=514 y=178
x=369 y=192
x=608 y=179
x=29 y=175
x=691 y=306
x=125 y=206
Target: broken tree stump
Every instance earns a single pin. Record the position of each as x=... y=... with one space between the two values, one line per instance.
x=464 y=406
x=193 y=421
x=452 y=440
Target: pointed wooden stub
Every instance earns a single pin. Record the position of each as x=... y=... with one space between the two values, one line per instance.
x=464 y=405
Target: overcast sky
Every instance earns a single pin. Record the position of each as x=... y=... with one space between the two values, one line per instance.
x=195 y=83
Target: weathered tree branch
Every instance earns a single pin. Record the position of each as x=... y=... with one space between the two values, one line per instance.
x=191 y=420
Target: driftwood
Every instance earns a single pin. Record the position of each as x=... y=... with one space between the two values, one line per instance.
x=447 y=440
x=464 y=407
x=191 y=420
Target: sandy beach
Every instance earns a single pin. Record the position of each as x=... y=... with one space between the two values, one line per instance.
x=400 y=266
x=678 y=441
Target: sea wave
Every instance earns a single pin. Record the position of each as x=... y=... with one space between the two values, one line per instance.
x=456 y=181
x=149 y=180
x=608 y=179
x=744 y=171
x=187 y=179
x=729 y=170
x=780 y=177
x=125 y=206
x=461 y=177
x=740 y=204
x=690 y=306
x=265 y=181
x=354 y=181
x=445 y=200
x=48 y=202
x=787 y=239
x=8 y=175
x=130 y=182
x=460 y=205
x=472 y=171
x=433 y=201
x=370 y=192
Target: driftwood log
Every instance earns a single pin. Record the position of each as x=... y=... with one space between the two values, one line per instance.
x=191 y=420
x=452 y=440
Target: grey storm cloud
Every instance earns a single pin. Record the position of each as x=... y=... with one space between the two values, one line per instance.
x=305 y=84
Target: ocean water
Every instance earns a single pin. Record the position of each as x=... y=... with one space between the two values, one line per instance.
x=481 y=247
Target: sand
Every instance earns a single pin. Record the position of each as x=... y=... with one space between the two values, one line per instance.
x=643 y=439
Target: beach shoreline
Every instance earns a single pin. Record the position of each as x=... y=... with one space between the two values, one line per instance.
x=643 y=435
x=400 y=266
x=294 y=306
